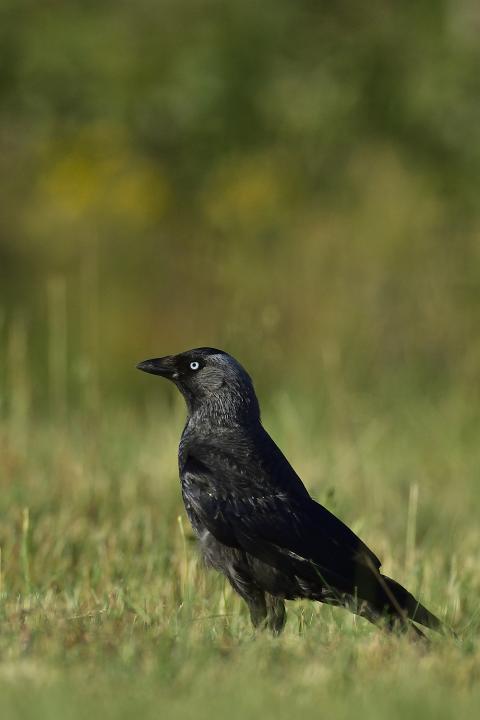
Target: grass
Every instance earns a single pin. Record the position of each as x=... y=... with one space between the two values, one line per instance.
x=106 y=610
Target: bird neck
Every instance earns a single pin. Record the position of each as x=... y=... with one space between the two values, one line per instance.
x=223 y=409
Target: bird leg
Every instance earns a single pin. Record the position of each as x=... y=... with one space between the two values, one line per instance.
x=258 y=611
x=253 y=596
x=266 y=611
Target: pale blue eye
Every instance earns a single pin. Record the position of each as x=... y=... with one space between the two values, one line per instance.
x=194 y=365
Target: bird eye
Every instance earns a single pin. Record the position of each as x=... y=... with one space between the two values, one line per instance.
x=194 y=365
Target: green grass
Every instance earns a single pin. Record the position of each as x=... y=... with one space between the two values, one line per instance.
x=106 y=610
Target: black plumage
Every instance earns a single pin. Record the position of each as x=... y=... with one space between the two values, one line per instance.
x=255 y=521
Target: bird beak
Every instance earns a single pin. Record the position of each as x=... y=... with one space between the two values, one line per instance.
x=164 y=366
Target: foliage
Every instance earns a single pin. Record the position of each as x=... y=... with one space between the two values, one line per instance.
x=296 y=177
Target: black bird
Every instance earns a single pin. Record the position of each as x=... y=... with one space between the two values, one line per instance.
x=252 y=514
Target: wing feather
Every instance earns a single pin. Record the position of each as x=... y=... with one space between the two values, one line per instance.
x=277 y=523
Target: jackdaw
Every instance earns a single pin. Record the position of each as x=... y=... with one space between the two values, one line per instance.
x=255 y=520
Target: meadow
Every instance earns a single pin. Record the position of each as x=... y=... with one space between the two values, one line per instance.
x=106 y=610
x=296 y=183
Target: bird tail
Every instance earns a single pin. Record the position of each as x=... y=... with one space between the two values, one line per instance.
x=404 y=605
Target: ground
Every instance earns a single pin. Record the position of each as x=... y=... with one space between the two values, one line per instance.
x=106 y=610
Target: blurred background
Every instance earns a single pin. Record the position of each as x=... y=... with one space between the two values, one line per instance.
x=294 y=182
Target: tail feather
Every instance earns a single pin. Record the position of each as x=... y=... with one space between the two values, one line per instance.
x=404 y=604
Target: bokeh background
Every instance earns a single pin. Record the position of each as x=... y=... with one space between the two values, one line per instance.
x=295 y=182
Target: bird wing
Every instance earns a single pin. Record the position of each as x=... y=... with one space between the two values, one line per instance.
x=285 y=529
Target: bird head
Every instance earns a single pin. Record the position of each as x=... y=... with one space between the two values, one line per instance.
x=211 y=381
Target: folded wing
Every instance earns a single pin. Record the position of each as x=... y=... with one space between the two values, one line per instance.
x=273 y=523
